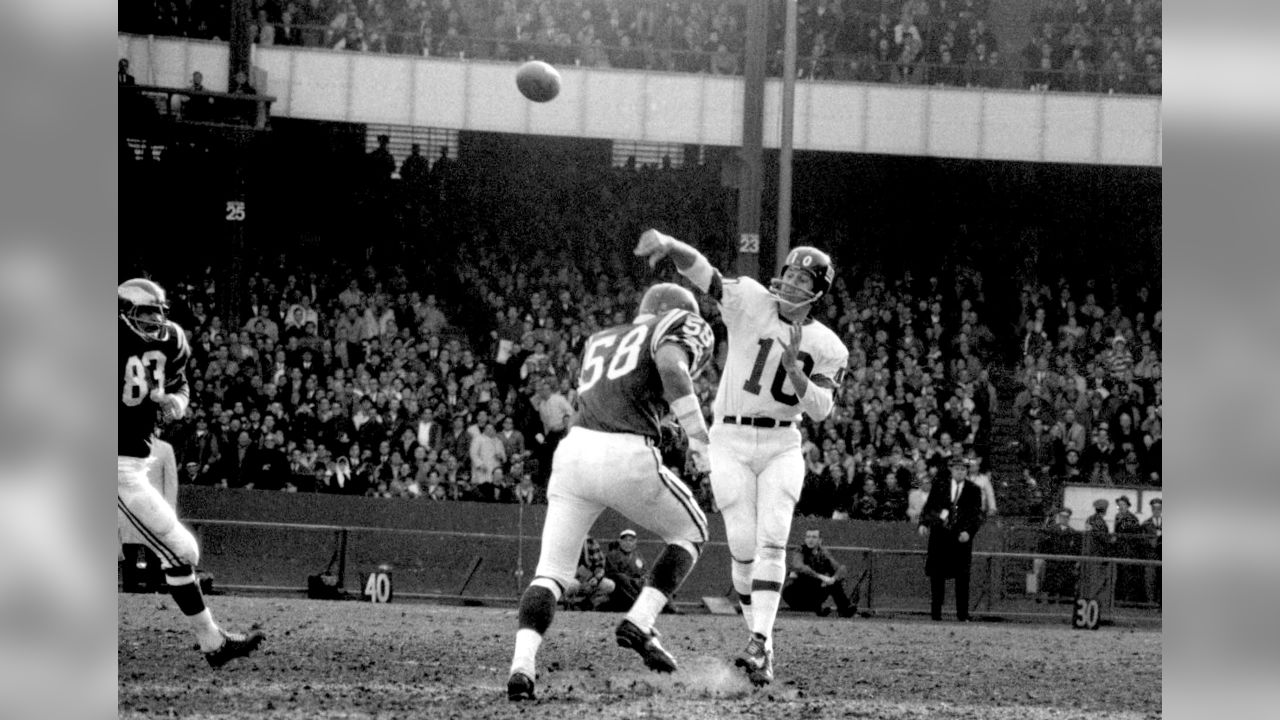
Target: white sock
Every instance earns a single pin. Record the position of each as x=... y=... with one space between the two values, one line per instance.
x=644 y=611
x=742 y=586
x=526 y=655
x=207 y=631
x=764 y=605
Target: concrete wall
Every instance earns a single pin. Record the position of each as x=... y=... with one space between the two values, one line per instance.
x=432 y=546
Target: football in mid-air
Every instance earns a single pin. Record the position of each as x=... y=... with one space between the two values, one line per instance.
x=538 y=81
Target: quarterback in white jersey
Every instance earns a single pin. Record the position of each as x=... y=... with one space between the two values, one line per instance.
x=781 y=365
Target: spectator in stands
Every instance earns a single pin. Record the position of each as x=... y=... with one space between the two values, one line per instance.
x=866 y=506
x=122 y=73
x=202 y=448
x=415 y=169
x=237 y=464
x=996 y=74
x=556 y=413
x=814 y=575
x=348 y=475
x=947 y=71
x=1079 y=78
x=196 y=107
x=381 y=164
x=1099 y=459
x=513 y=443
x=241 y=85
x=1152 y=71
x=487 y=453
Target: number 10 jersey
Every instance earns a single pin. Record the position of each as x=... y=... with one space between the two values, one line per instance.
x=619 y=387
x=754 y=383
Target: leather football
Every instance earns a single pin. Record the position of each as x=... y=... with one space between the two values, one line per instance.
x=538 y=81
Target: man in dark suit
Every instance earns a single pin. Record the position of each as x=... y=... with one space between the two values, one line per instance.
x=1153 y=527
x=951 y=517
x=1128 y=544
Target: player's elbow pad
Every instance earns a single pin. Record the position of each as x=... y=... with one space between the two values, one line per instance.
x=700 y=272
x=817 y=402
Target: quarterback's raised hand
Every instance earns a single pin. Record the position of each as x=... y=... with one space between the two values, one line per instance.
x=654 y=246
x=791 y=350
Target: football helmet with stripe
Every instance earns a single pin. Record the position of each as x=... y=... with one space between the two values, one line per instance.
x=144 y=307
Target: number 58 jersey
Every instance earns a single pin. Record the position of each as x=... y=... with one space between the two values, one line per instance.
x=753 y=383
x=619 y=387
x=145 y=367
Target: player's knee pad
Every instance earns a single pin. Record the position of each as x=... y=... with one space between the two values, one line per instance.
x=672 y=567
x=537 y=607
x=741 y=537
x=693 y=548
x=182 y=544
x=771 y=564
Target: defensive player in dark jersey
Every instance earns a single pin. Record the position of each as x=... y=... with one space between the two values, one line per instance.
x=632 y=376
x=153 y=359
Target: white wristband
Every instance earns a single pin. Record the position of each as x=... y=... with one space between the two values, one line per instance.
x=689 y=414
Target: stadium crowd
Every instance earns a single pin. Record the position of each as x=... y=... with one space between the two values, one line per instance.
x=448 y=377
x=1091 y=407
x=1078 y=45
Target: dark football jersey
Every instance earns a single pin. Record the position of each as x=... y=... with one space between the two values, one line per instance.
x=619 y=388
x=145 y=366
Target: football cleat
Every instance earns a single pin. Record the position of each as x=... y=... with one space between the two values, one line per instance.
x=646 y=645
x=234 y=645
x=520 y=687
x=757 y=661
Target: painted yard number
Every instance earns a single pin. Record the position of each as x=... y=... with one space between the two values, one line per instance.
x=1086 y=614
x=377 y=588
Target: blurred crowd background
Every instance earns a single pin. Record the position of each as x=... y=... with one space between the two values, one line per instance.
x=1111 y=46
x=397 y=326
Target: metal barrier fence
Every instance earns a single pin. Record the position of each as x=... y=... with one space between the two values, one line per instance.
x=493 y=568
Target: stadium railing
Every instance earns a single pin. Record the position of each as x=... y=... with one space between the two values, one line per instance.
x=492 y=568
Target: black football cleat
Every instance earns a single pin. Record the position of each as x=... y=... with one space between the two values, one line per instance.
x=646 y=645
x=234 y=645
x=520 y=687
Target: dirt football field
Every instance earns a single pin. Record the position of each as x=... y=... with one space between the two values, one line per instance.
x=357 y=660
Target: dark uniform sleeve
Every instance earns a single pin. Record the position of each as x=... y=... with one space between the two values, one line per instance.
x=176 y=373
x=690 y=333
